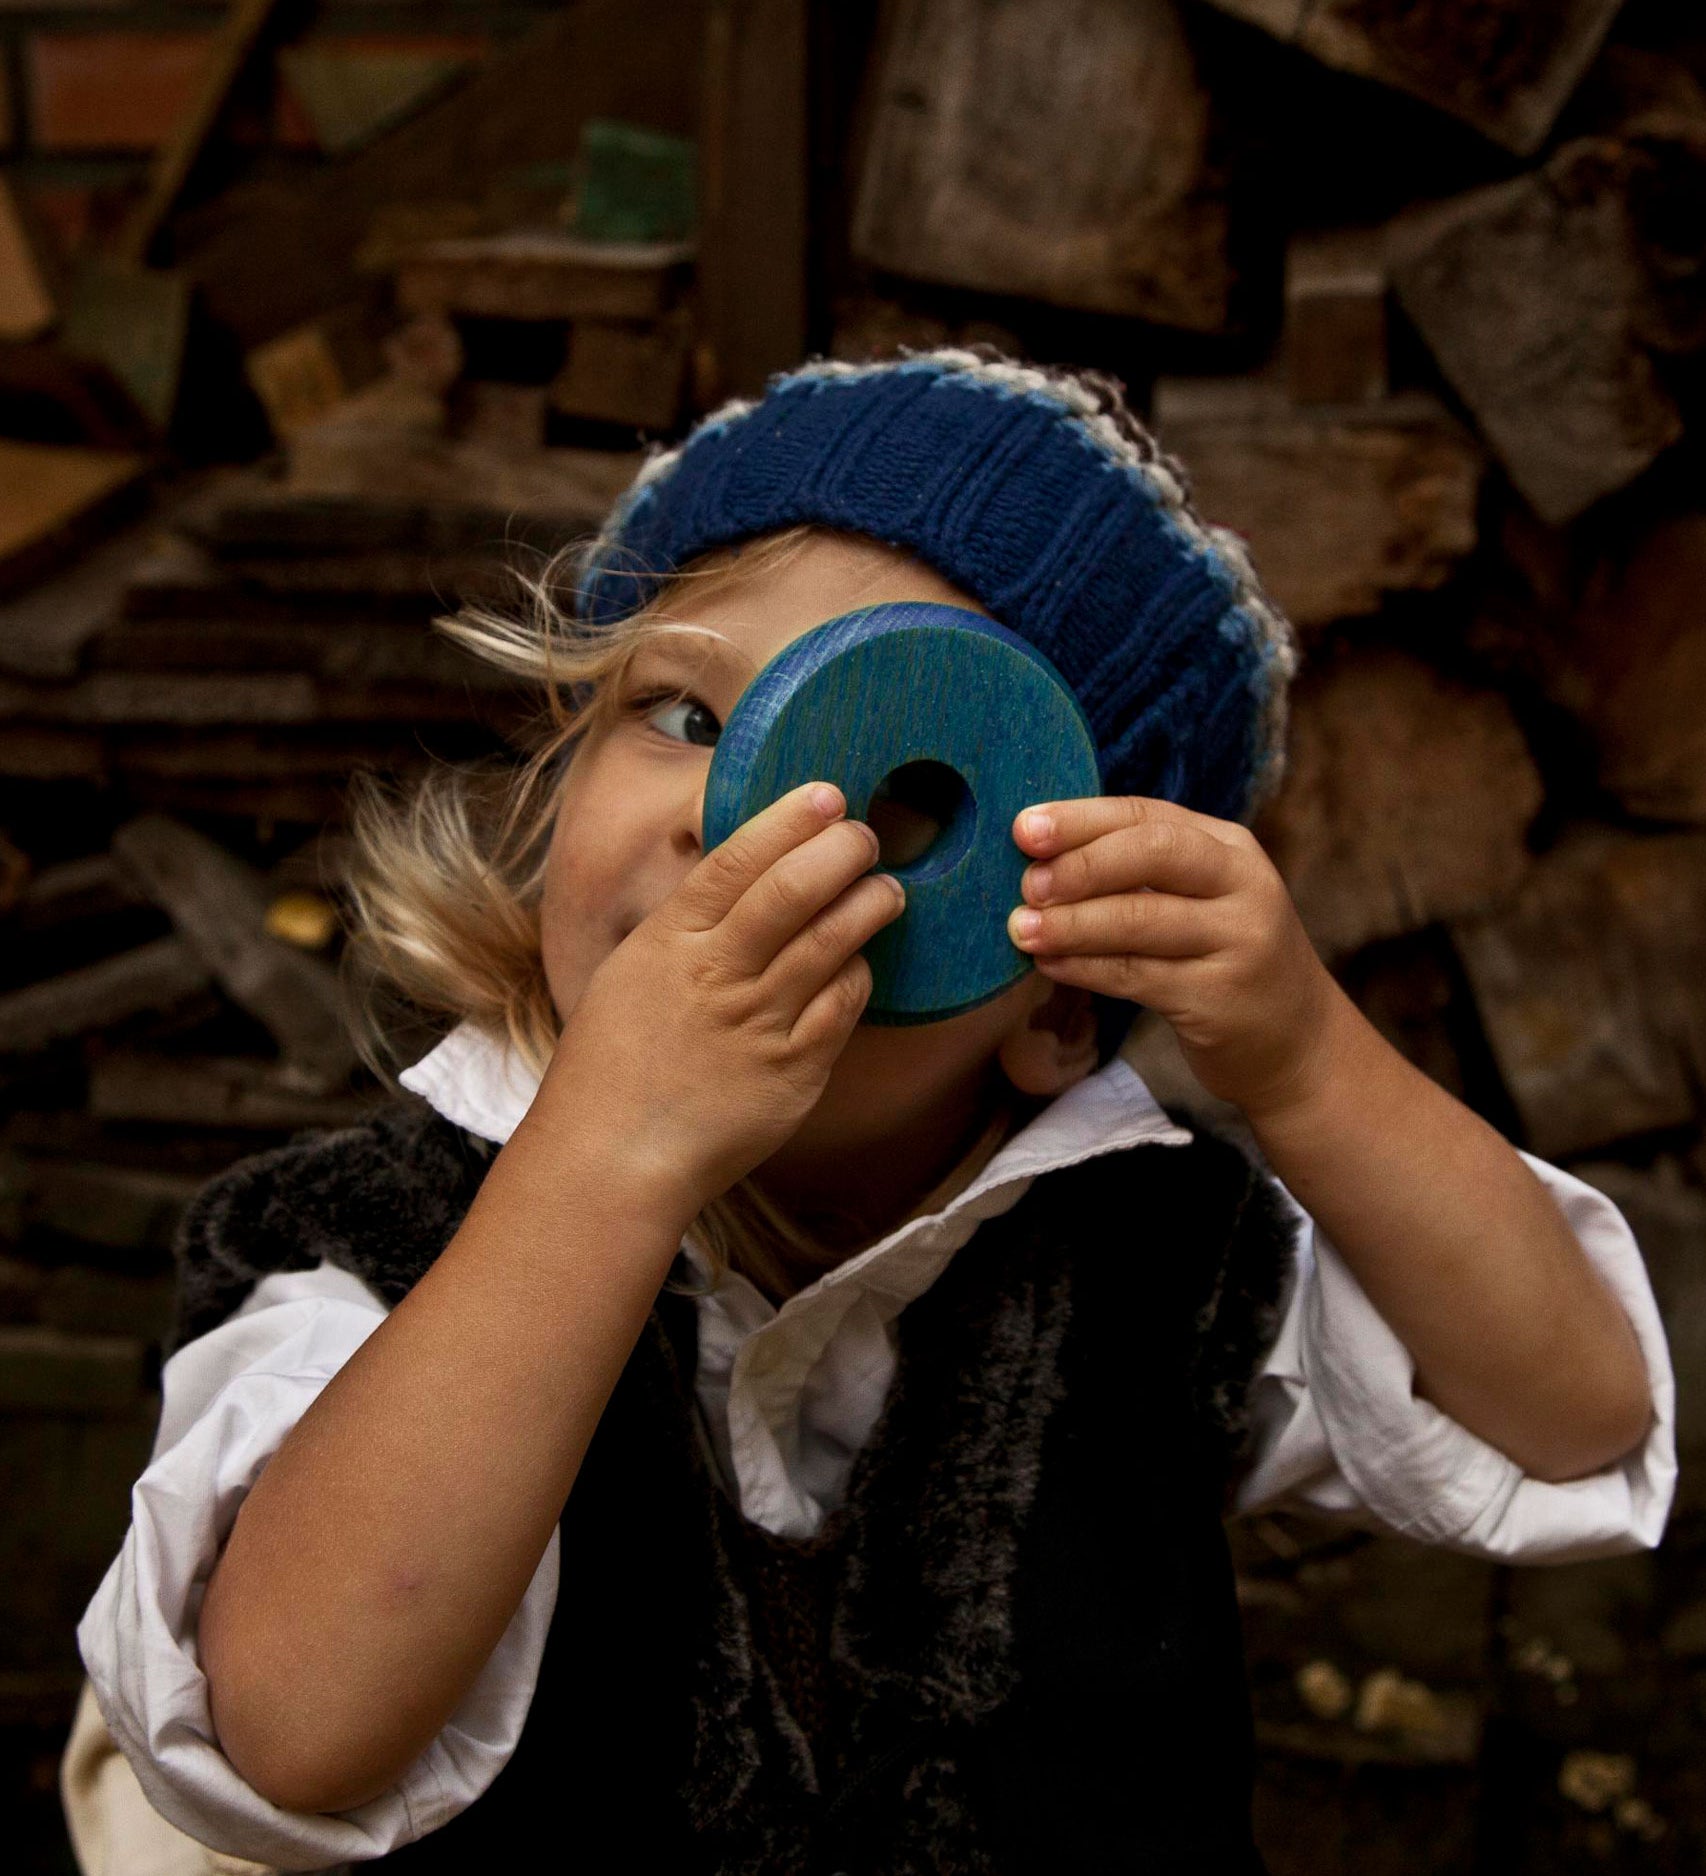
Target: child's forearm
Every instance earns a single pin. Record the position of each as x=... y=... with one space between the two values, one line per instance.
x=384 y=1550
x=1463 y=1252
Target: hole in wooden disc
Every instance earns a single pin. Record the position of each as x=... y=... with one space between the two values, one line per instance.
x=921 y=811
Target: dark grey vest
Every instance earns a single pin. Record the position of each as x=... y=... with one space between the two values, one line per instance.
x=1015 y=1645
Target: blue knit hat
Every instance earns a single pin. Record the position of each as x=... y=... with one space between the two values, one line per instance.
x=1035 y=491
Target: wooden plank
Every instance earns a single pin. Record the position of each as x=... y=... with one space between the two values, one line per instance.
x=219 y=907
x=1591 y=987
x=350 y=93
x=541 y=274
x=114 y=697
x=1366 y=853
x=1057 y=151
x=754 y=196
x=1631 y=667
x=44 y=629
x=303 y=374
x=134 y=321
x=1335 y=317
x=52 y=496
x=233 y=41
x=273 y=256
x=1340 y=504
x=1530 y=295
x=213 y=1092
x=152 y=977
x=625 y=374
x=26 y=294
x=1505 y=66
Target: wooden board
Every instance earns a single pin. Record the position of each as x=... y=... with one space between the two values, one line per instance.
x=1340 y=504
x=1591 y=986
x=1335 y=317
x=624 y=374
x=50 y=494
x=1505 y=66
x=26 y=295
x=1366 y=852
x=1530 y=295
x=754 y=196
x=1056 y=151
x=219 y=907
x=541 y=274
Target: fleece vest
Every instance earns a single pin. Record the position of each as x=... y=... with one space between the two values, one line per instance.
x=1013 y=1647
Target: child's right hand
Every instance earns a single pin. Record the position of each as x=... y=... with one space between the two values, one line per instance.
x=706 y=1037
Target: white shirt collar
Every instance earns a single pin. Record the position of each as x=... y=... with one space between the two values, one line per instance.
x=482 y=1085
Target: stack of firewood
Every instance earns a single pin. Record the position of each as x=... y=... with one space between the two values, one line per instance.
x=1417 y=294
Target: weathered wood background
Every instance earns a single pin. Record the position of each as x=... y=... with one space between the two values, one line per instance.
x=311 y=315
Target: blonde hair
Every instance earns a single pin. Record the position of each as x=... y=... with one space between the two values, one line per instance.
x=445 y=876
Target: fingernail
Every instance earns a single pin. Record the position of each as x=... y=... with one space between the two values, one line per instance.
x=827 y=800
x=1039 y=826
x=1040 y=879
x=1026 y=923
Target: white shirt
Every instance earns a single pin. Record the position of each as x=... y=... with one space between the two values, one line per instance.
x=790 y=1394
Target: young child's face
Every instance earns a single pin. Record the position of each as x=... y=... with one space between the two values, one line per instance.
x=628 y=832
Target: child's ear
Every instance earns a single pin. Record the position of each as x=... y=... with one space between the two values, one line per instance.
x=1053 y=1044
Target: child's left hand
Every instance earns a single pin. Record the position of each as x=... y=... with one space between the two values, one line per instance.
x=1143 y=899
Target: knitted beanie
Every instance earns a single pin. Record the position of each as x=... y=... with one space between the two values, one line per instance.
x=1035 y=491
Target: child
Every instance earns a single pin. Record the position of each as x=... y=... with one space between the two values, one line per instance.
x=796 y=1444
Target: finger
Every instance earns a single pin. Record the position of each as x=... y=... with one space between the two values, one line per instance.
x=1145 y=924
x=1050 y=827
x=829 y=1018
x=1151 y=981
x=824 y=944
x=1162 y=854
x=786 y=897
x=716 y=884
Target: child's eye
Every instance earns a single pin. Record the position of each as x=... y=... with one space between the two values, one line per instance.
x=694 y=723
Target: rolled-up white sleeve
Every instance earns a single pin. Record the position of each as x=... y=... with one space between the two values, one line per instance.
x=1338 y=1429
x=229 y=1399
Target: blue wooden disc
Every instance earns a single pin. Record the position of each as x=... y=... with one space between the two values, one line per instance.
x=993 y=728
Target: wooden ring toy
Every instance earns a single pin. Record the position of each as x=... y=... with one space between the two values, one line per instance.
x=938 y=725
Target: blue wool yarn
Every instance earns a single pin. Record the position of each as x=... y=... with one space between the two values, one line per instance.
x=1036 y=492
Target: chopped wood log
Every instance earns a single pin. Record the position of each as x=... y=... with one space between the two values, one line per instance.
x=1505 y=66
x=1631 y=666
x=1335 y=317
x=26 y=293
x=135 y=321
x=53 y=499
x=354 y=656
x=1529 y=294
x=219 y=907
x=179 y=579
x=354 y=456
x=1340 y=504
x=126 y=1208
x=303 y=375
x=754 y=195
x=152 y=977
x=349 y=95
x=190 y=698
x=213 y=1092
x=632 y=375
x=1591 y=986
x=507 y=419
x=542 y=274
x=1366 y=852
x=67 y=894
x=1059 y=152
x=231 y=43
x=44 y=629
x=274 y=256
